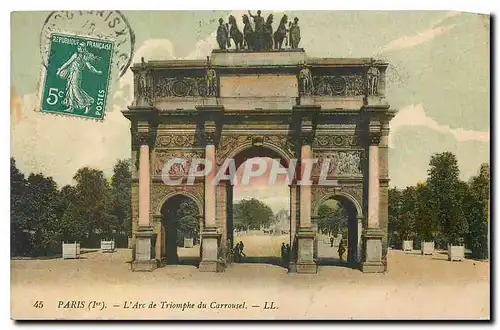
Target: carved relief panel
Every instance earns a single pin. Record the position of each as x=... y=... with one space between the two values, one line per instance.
x=339 y=85
x=188 y=140
x=177 y=169
x=346 y=163
x=179 y=86
x=335 y=141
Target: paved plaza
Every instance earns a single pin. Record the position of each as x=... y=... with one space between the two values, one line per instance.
x=414 y=287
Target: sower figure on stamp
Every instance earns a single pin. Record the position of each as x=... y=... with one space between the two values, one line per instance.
x=75 y=97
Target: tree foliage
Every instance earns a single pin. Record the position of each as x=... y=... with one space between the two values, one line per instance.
x=478 y=212
x=42 y=215
x=444 y=208
x=252 y=214
x=447 y=195
x=331 y=220
x=187 y=220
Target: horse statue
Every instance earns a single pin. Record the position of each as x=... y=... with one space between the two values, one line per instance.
x=249 y=34
x=235 y=33
x=267 y=39
x=280 y=34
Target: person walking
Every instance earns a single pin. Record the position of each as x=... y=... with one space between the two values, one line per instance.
x=341 y=250
x=288 y=254
x=283 y=253
x=242 y=254
x=331 y=241
x=236 y=253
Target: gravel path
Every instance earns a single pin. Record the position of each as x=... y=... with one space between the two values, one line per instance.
x=415 y=286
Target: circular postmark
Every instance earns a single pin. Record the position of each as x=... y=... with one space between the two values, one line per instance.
x=105 y=24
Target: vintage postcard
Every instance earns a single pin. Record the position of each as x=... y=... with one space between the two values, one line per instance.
x=250 y=165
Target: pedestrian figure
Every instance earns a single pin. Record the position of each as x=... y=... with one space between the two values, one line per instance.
x=236 y=253
x=331 y=241
x=242 y=254
x=341 y=250
x=283 y=253
x=287 y=254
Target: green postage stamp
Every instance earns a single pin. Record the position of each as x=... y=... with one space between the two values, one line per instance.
x=77 y=76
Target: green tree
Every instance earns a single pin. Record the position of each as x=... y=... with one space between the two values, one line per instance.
x=331 y=220
x=394 y=213
x=425 y=221
x=406 y=221
x=40 y=209
x=478 y=212
x=187 y=220
x=19 y=239
x=91 y=205
x=121 y=192
x=447 y=196
x=251 y=214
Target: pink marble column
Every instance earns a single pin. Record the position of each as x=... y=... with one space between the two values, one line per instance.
x=210 y=235
x=144 y=185
x=305 y=189
x=209 y=187
x=305 y=233
x=373 y=184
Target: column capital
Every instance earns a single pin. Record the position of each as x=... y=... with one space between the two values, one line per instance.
x=209 y=138
x=141 y=133
x=306 y=138
x=141 y=138
x=374 y=140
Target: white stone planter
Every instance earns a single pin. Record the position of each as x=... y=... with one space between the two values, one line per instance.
x=108 y=246
x=129 y=242
x=427 y=247
x=71 y=250
x=407 y=245
x=188 y=242
x=456 y=252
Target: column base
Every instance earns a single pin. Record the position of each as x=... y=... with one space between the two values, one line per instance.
x=210 y=250
x=304 y=267
x=305 y=259
x=143 y=254
x=373 y=262
x=209 y=266
x=372 y=267
x=144 y=265
x=292 y=267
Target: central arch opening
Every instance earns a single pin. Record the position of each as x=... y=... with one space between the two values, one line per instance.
x=180 y=223
x=338 y=230
x=259 y=220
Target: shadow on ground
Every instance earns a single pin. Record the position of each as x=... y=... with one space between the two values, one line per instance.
x=335 y=262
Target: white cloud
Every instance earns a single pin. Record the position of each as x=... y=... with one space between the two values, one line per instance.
x=414 y=115
x=421 y=36
x=59 y=145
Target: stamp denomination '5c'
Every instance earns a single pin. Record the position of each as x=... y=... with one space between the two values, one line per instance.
x=77 y=77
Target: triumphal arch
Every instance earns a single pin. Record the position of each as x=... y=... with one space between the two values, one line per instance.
x=272 y=101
